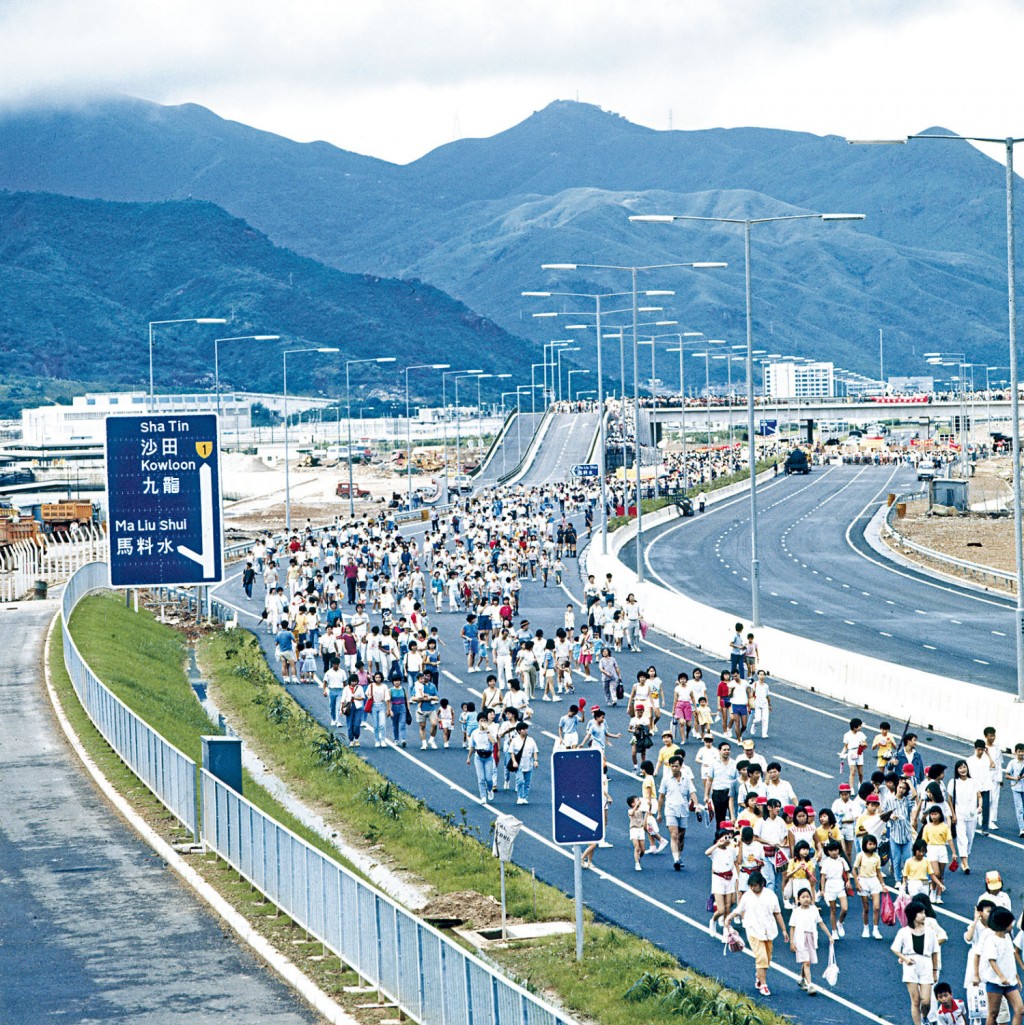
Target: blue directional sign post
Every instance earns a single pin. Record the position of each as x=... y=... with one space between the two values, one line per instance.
x=163 y=500
x=768 y=428
x=586 y=470
x=577 y=812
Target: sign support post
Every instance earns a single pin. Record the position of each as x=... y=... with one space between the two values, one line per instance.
x=506 y=828
x=578 y=887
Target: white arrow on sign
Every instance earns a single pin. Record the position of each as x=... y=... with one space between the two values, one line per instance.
x=577 y=816
x=207 y=556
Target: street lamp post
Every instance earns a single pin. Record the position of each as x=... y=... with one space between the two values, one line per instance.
x=533 y=381
x=287 y=477
x=458 y=420
x=216 y=359
x=408 y=419
x=561 y=352
x=682 y=336
x=570 y=376
x=348 y=416
x=1011 y=303
x=180 y=320
x=480 y=417
x=633 y=272
x=755 y=569
x=444 y=421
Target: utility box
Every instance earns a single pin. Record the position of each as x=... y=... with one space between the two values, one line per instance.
x=222 y=757
x=949 y=492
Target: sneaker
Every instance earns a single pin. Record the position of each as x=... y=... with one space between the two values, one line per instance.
x=865 y=933
x=802 y=983
x=545 y=698
x=504 y=786
x=812 y=990
x=384 y=743
x=403 y=743
x=520 y=800
x=446 y=745
x=490 y=798
x=835 y=934
x=711 y=924
x=840 y=929
x=764 y=990
x=876 y=934
x=677 y=865
x=661 y=846
x=355 y=743
x=432 y=744
x=612 y=704
x=423 y=746
x=637 y=867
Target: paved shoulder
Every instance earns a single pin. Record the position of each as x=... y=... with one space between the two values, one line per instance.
x=94 y=926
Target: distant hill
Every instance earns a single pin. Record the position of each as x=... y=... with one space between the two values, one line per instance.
x=477 y=217
x=80 y=279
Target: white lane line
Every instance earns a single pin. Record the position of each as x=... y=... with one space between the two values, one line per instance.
x=452 y=677
x=818 y=612
x=930 y=647
x=867 y=594
x=921 y=612
x=792 y=602
x=849 y=622
x=998 y=633
x=884 y=634
x=956 y=622
x=981 y=662
x=889 y=601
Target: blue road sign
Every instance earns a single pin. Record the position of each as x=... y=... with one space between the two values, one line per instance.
x=577 y=796
x=585 y=470
x=768 y=428
x=163 y=500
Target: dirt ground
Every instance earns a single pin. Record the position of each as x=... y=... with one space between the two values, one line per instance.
x=983 y=537
x=464 y=906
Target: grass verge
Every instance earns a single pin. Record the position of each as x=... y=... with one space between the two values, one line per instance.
x=622 y=976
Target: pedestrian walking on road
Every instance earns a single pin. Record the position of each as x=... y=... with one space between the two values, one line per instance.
x=481 y=754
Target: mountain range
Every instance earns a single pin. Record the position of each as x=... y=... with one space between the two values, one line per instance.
x=80 y=279
x=477 y=217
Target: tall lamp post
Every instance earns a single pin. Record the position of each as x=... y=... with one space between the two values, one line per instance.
x=458 y=421
x=348 y=415
x=748 y=223
x=287 y=477
x=180 y=320
x=408 y=419
x=480 y=416
x=634 y=272
x=570 y=375
x=680 y=348
x=561 y=351
x=444 y=420
x=533 y=381
x=1011 y=302
x=216 y=358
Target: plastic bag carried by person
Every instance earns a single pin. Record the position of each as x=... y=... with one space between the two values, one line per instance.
x=900 y=909
x=733 y=941
x=888 y=910
x=644 y=627
x=831 y=972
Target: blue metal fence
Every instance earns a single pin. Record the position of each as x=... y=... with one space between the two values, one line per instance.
x=161 y=766
x=428 y=976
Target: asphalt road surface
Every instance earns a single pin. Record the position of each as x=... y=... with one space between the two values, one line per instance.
x=516 y=441
x=820 y=578
x=568 y=441
x=93 y=926
x=667 y=907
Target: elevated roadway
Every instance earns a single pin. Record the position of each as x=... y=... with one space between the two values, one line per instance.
x=568 y=440
x=504 y=458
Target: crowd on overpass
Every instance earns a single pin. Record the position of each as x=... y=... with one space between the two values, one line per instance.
x=357 y=609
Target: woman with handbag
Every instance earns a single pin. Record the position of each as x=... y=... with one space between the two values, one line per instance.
x=353 y=698
x=523 y=758
x=401 y=716
x=378 y=708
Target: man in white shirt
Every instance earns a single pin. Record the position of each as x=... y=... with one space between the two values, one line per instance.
x=776 y=787
x=762 y=922
x=997 y=775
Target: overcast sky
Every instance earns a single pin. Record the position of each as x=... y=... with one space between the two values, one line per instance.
x=395 y=78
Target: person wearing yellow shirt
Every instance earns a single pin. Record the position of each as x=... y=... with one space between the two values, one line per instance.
x=937 y=835
x=917 y=872
x=884 y=744
x=867 y=874
x=666 y=751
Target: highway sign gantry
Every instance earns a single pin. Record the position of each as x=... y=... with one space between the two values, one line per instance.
x=586 y=470
x=163 y=500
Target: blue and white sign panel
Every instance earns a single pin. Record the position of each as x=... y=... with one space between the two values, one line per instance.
x=768 y=428
x=163 y=500
x=585 y=470
x=577 y=794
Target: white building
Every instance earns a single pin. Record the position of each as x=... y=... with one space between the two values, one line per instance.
x=81 y=423
x=799 y=380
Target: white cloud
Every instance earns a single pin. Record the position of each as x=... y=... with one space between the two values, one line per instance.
x=395 y=78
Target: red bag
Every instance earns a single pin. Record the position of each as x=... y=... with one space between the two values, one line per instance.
x=888 y=909
x=900 y=908
x=954 y=865
x=368 y=707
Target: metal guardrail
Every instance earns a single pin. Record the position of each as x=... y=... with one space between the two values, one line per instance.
x=425 y=974
x=170 y=774
x=47 y=557
x=428 y=976
x=974 y=570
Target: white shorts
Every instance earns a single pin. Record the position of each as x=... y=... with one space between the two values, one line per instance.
x=920 y=972
x=637 y=834
x=833 y=891
x=853 y=758
x=869 y=886
x=938 y=853
x=720 y=886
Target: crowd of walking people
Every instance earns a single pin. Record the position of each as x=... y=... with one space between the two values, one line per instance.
x=355 y=609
